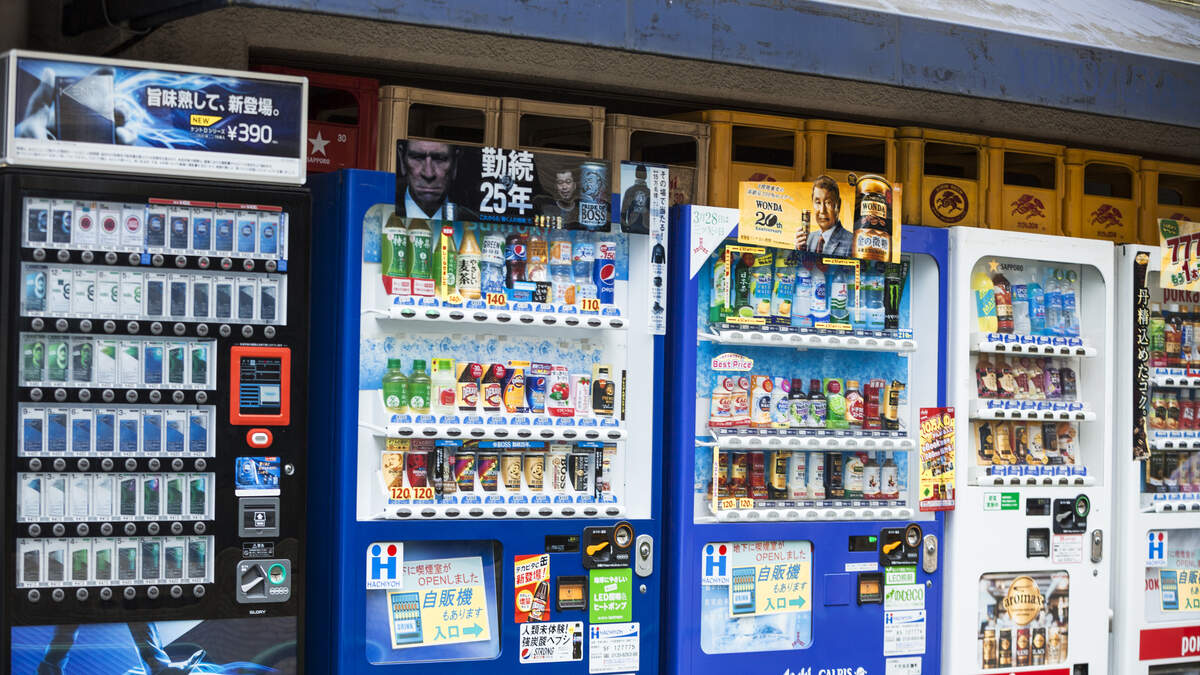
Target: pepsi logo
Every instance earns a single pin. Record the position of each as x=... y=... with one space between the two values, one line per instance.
x=608 y=272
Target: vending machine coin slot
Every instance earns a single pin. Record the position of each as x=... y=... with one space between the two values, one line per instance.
x=1070 y=515
x=264 y=581
x=1037 y=542
x=607 y=547
x=900 y=546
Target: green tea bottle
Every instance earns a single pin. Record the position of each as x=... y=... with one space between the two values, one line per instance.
x=395 y=388
x=419 y=387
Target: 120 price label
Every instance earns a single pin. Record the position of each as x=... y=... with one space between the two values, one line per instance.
x=411 y=492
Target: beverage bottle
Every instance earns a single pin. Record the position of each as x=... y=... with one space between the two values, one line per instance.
x=985 y=302
x=583 y=258
x=835 y=405
x=1054 y=313
x=873 y=300
x=492 y=264
x=419 y=388
x=802 y=296
x=445 y=264
x=839 y=291
x=889 y=484
x=817 y=408
x=561 y=277
x=761 y=286
x=743 y=285
x=1172 y=335
x=420 y=269
x=783 y=289
x=395 y=388
x=515 y=253
x=854 y=405
x=871 y=475
x=816 y=475
x=1002 y=293
x=444 y=384
x=718 y=302
x=1070 y=302
x=1037 y=306
x=1157 y=332
x=799 y=405
x=1020 y=309
x=820 y=295
x=394 y=252
x=538 y=257
x=470 y=277
x=467 y=395
x=492 y=387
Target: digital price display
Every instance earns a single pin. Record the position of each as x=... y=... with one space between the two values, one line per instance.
x=260 y=385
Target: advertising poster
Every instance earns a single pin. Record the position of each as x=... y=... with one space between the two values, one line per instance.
x=644 y=204
x=1141 y=356
x=859 y=220
x=103 y=114
x=552 y=642
x=610 y=595
x=756 y=596
x=1024 y=618
x=1172 y=589
x=937 y=459
x=1179 y=241
x=442 y=181
x=532 y=587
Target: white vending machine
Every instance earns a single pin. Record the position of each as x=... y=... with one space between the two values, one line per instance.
x=1030 y=375
x=1156 y=439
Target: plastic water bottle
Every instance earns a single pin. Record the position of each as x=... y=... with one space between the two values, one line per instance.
x=1069 y=304
x=561 y=279
x=820 y=296
x=839 y=291
x=1037 y=307
x=1054 y=313
x=873 y=301
x=802 y=297
x=583 y=256
x=1020 y=308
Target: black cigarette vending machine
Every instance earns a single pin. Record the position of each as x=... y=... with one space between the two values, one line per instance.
x=153 y=358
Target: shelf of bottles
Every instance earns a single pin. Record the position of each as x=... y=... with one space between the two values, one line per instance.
x=1026 y=356
x=539 y=276
x=1171 y=475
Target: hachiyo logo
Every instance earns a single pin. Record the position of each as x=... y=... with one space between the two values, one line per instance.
x=850 y=670
x=1156 y=548
x=385 y=561
x=1106 y=215
x=948 y=202
x=1028 y=205
x=715 y=570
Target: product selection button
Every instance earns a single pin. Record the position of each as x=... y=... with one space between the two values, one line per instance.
x=259 y=438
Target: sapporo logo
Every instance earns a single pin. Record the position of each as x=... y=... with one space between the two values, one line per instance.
x=1024 y=600
x=949 y=203
x=1107 y=215
x=1029 y=206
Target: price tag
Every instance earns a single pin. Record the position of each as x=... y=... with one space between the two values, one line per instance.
x=497 y=300
x=589 y=305
x=411 y=492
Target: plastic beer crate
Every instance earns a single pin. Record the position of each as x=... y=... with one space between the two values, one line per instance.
x=462 y=119
x=1103 y=198
x=748 y=146
x=552 y=127
x=1169 y=190
x=944 y=177
x=838 y=149
x=341 y=119
x=682 y=146
x=1026 y=183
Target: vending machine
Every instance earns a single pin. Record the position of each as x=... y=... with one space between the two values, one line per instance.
x=489 y=441
x=154 y=353
x=1157 y=507
x=1030 y=371
x=798 y=535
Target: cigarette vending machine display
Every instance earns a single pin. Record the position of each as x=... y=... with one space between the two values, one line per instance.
x=797 y=541
x=1030 y=370
x=1157 y=582
x=490 y=427
x=153 y=352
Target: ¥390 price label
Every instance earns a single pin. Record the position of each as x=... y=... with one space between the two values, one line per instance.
x=411 y=492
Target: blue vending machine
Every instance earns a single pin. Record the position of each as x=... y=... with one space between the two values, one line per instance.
x=486 y=405
x=800 y=536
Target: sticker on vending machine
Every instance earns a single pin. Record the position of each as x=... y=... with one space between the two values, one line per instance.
x=555 y=642
x=614 y=648
x=531 y=587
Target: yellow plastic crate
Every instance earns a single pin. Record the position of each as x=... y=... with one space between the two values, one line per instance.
x=1169 y=190
x=462 y=119
x=1103 y=195
x=682 y=146
x=944 y=177
x=560 y=128
x=838 y=149
x=1026 y=183
x=748 y=146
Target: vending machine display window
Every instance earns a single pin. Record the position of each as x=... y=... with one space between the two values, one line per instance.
x=757 y=596
x=1172 y=589
x=445 y=606
x=1023 y=619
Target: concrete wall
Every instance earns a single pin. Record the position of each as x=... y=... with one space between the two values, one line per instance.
x=234 y=36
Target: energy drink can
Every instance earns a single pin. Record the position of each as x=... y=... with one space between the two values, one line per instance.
x=604 y=271
x=579 y=466
x=594 y=196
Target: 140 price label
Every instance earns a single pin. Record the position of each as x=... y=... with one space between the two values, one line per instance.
x=497 y=300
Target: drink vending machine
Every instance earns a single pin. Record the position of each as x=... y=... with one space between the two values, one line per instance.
x=1157 y=580
x=490 y=434
x=154 y=356
x=1031 y=373
x=795 y=535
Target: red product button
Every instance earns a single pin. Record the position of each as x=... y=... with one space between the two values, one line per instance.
x=259 y=438
x=1169 y=643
